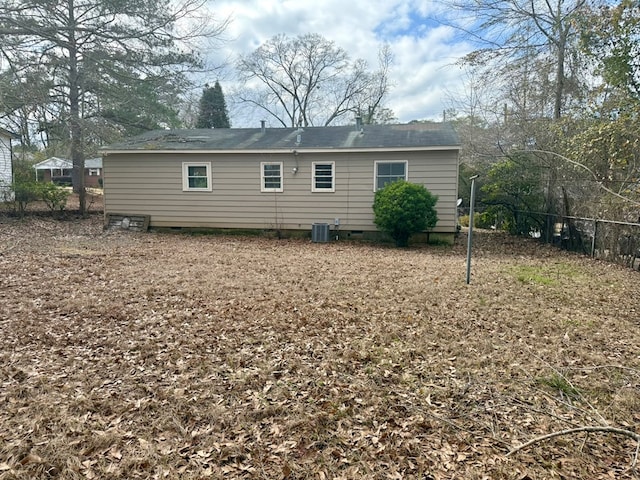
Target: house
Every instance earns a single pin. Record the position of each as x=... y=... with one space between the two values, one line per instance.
x=278 y=178
x=58 y=170
x=54 y=169
x=6 y=165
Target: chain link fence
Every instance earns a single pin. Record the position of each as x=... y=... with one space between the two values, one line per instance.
x=610 y=240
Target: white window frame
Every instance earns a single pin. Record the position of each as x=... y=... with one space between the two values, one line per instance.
x=262 y=177
x=185 y=176
x=94 y=172
x=375 y=170
x=330 y=189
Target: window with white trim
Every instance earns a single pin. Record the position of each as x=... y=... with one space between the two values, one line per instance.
x=388 y=172
x=323 y=177
x=271 y=177
x=94 y=172
x=196 y=176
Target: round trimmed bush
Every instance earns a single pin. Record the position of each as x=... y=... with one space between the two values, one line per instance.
x=402 y=208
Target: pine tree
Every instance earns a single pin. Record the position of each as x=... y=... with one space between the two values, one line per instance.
x=213 y=108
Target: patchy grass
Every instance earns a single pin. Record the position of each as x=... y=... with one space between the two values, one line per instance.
x=154 y=355
x=547 y=275
x=560 y=384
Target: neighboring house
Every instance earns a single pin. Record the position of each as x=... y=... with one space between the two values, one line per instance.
x=6 y=165
x=284 y=179
x=58 y=170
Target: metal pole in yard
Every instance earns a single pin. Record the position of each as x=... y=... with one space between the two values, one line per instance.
x=470 y=239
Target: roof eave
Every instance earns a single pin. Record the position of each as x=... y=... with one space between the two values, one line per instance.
x=298 y=150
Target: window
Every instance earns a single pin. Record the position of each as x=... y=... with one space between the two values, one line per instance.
x=271 y=177
x=61 y=172
x=196 y=176
x=323 y=177
x=94 y=172
x=387 y=172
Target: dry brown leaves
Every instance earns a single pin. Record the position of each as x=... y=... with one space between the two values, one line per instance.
x=127 y=355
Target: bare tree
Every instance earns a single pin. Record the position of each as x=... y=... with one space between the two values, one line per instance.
x=308 y=80
x=515 y=31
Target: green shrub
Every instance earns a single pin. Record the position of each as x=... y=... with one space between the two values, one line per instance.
x=53 y=196
x=484 y=220
x=402 y=209
x=25 y=192
x=480 y=220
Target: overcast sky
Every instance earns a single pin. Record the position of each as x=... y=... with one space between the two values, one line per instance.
x=424 y=72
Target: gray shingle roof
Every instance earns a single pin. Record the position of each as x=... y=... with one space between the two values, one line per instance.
x=57 y=162
x=415 y=135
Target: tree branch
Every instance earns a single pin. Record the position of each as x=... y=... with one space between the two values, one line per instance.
x=569 y=431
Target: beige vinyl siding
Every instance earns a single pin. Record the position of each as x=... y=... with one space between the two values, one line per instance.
x=151 y=184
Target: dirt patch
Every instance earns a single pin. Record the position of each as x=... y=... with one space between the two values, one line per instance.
x=148 y=355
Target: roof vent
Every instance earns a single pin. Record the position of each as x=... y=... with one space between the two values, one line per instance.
x=263 y=125
x=358 y=123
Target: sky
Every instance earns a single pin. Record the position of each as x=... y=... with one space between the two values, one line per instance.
x=424 y=74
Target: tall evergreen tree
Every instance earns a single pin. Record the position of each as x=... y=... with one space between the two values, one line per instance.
x=213 y=108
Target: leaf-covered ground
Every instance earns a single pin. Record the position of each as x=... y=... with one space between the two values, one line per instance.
x=156 y=355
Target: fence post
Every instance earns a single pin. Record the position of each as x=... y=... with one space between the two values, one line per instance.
x=471 y=220
x=593 y=240
x=548 y=233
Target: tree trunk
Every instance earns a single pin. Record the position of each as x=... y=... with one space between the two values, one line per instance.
x=560 y=80
x=75 y=128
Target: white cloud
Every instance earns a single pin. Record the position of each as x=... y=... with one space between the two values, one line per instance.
x=425 y=52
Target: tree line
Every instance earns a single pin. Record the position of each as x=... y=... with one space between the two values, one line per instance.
x=550 y=119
